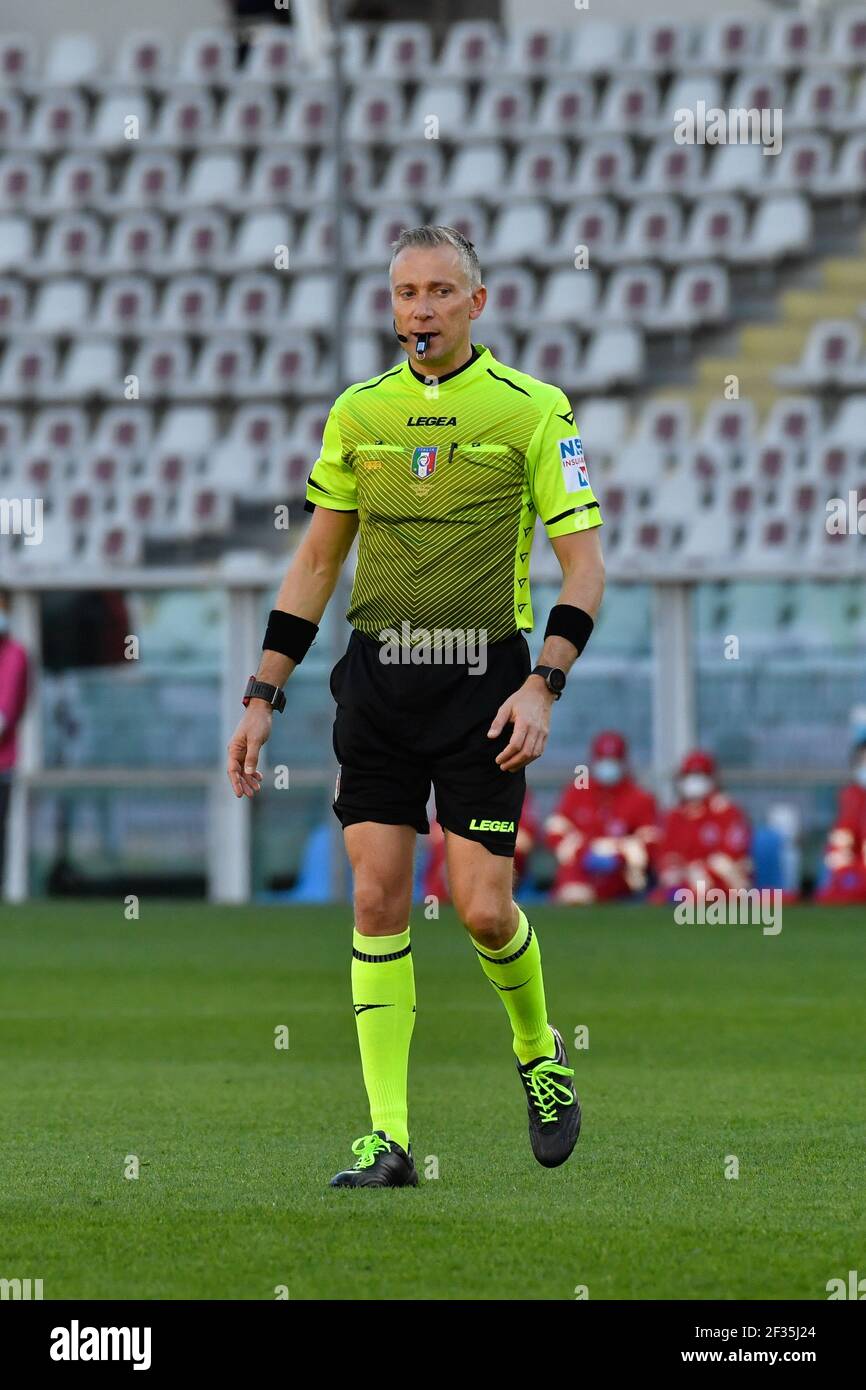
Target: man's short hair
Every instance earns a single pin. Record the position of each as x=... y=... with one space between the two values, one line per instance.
x=430 y=235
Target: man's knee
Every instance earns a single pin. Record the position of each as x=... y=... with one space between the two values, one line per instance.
x=380 y=908
x=488 y=923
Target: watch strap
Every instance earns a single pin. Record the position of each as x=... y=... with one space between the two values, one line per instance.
x=262 y=690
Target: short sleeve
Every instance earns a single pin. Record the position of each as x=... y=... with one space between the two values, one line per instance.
x=558 y=476
x=332 y=482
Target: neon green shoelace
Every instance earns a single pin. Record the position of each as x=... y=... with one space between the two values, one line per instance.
x=547 y=1092
x=367 y=1148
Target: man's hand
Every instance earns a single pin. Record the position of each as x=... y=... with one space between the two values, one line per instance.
x=252 y=731
x=528 y=709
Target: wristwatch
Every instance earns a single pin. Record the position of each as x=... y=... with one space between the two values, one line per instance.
x=553 y=678
x=260 y=690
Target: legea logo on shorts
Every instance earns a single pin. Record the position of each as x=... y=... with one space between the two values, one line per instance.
x=504 y=826
x=438 y=646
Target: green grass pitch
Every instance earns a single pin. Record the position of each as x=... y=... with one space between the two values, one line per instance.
x=155 y=1038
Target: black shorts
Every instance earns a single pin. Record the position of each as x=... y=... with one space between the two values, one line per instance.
x=400 y=727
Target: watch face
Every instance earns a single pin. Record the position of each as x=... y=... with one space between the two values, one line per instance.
x=556 y=681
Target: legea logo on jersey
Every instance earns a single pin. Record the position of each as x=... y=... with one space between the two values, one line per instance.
x=424 y=460
x=573 y=464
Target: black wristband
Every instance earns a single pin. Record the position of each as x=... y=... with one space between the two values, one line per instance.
x=568 y=621
x=289 y=635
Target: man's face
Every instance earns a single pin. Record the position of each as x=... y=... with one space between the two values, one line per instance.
x=430 y=294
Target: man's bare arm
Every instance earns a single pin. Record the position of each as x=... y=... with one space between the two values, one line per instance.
x=308 y=585
x=311 y=579
x=582 y=565
x=528 y=709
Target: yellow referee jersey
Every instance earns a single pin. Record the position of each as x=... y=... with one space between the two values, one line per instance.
x=447 y=480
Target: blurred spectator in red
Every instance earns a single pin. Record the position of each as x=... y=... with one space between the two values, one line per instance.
x=845 y=855
x=13 y=696
x=603 y=833
x=705 y=838
x=435 y=870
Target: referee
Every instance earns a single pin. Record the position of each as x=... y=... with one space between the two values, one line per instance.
x=440 y=467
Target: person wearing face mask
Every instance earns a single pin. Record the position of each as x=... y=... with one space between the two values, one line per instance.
x=845 y=855
x=603 y=833
x=13 y=696
x=705 y=838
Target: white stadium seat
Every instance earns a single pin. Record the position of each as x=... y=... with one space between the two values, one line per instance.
x=254 y=303
x=660 y=45
x=615 y=356
x=208 y=57
x=439 y=111
x=311 y=302
x=534 y=50
x=630 y=105
x=519 y=229
x=143 y=60
x=716 y=229
x=541 y=170
x=479 y=171
x=473 y=48
x=592 y=224
x=316 y=247
x=278 y=176
x=633 y=295
x=402 y=52
x=803 y=164
x=93 y=368
x=122 y=119
x=126 y=306
x=570 y=296
x=375 y=114
x=214 y=179
x=596 y=46
x=77 y=181
x=510 y=297
x=272 y=57
x=782 y=227
x=248 y=118
x=186 y=120
x=652 y=232
x=288 y=366
x=503 y=110
x=15 y=242
x=791 y=41
x=151 y=179
x=373 y=248
x=62 y=306
x=190 y=304
x=727 y=43
x=257 y=240
x=17 y=60
x=224 y=368
x=414 y=173
x=699 y=294
x=831 y=346
x=58 y=122
x=605 y=165
x=162 y=367
x=309 y=117
x=137 y=242
x=552 y=354
x=200 y=241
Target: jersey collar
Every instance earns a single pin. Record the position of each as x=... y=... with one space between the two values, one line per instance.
x=480 y=354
